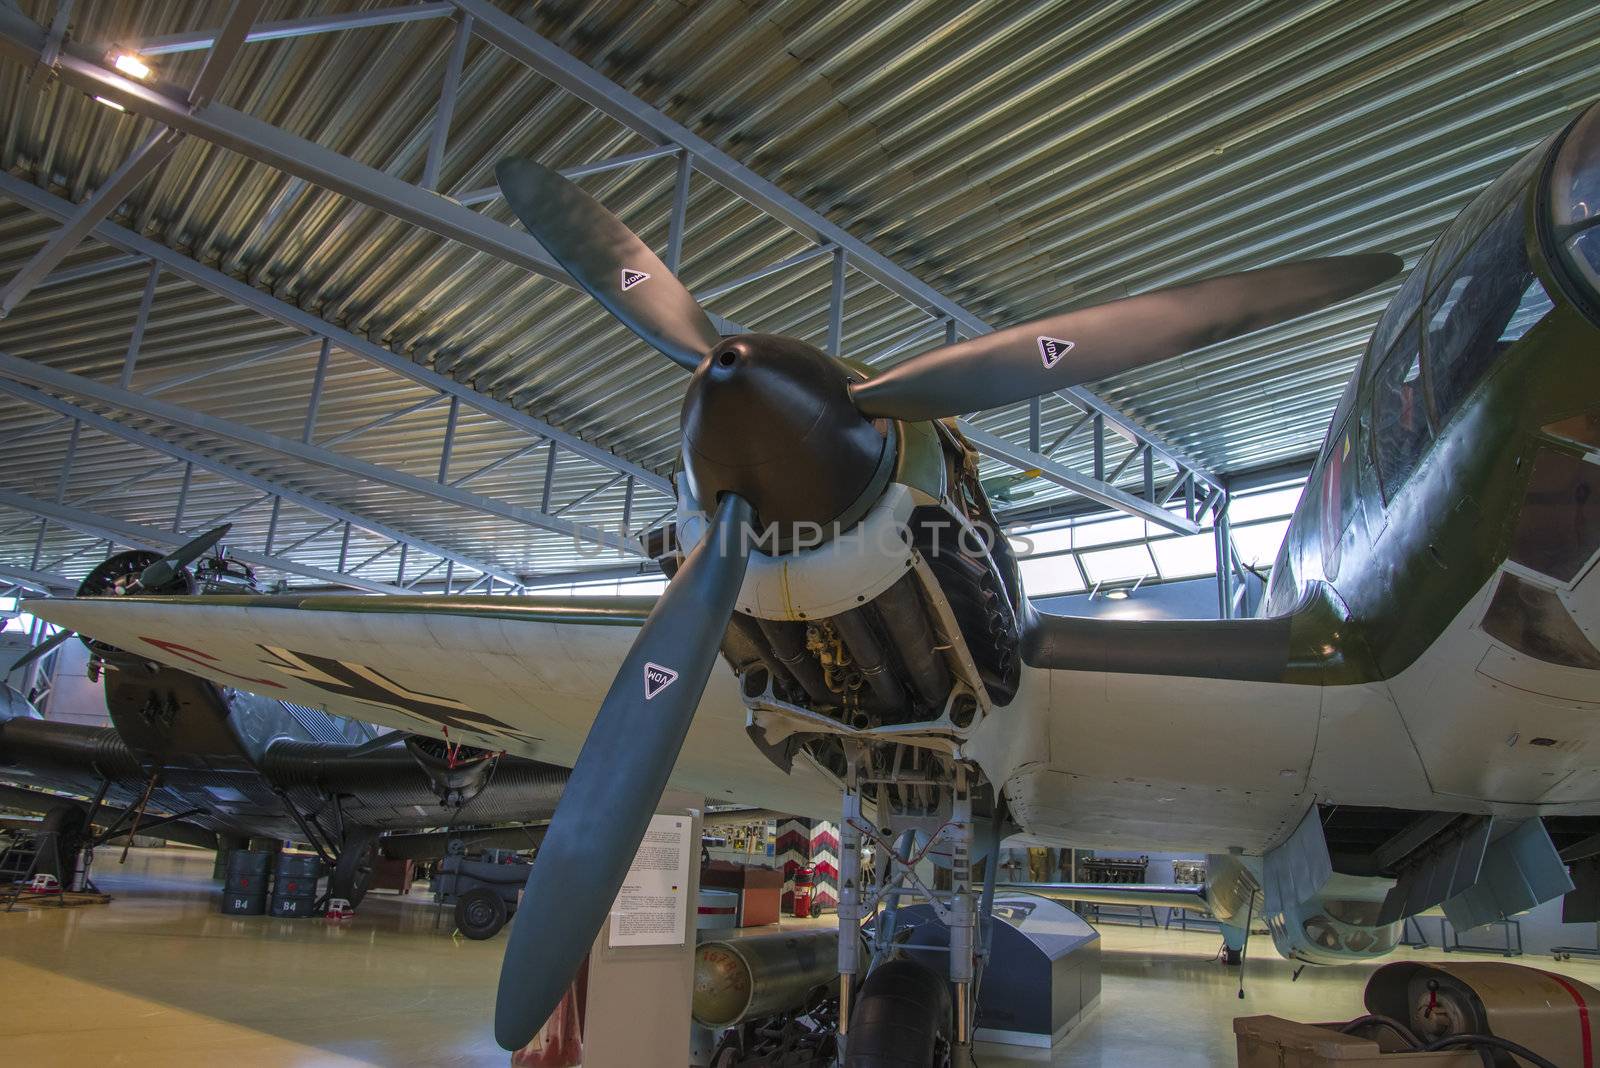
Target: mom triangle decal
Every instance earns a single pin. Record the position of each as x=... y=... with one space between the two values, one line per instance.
x=656 y=679
x=1051 y=349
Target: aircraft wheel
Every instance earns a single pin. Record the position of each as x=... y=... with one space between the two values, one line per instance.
x=480 y=913
x=72 y=834
x=1231 y=956
x=353 y=872
x=729 y=1052
x=901 y=1019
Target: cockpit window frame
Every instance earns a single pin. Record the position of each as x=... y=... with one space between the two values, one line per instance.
x=1552 y=246
x=1390 y=481
x=1501 y=235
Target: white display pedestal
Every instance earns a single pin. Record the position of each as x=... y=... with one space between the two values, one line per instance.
x=639 y=995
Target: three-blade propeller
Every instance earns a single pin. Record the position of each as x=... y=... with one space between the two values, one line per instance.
x=38 y=651
x=608 y=260
x=151 y=580
x=167 y=568
x=634 y=742
x=1022 y=362
x=619 y=777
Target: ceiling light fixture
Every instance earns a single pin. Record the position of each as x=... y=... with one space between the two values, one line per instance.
x=112 y=104
x=131 y=65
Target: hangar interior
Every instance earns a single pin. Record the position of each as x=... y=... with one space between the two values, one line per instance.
x=276 y=326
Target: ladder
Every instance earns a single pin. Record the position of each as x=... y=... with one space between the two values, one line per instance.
x=21 y=861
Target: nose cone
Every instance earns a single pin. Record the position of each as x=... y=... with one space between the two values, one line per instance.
x=770 y=418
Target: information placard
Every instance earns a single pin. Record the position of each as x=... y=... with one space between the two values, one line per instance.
x=651 y=908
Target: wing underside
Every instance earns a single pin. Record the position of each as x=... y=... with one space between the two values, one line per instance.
x=1312 y=644
x=525 y=675
x=1133 y=894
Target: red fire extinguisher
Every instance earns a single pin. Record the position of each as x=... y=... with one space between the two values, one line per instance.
x=804 y=879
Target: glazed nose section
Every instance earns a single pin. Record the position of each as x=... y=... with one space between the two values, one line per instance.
x=770 y=418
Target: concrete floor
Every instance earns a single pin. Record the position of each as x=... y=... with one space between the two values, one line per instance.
x=159 y=977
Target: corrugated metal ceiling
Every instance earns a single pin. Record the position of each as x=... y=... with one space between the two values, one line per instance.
x=1022 y=157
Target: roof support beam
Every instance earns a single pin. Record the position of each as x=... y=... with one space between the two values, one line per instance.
x=712 y=292
x=48 y=378
x=287 y=28
x=581 y=170
x=113 y=191
x=255 y=482
x=265 y=143
x=146 y=301
x=492 y=465
x=508 y=34
x=385 y=420
x=46 y=582
x=445 y=112
x=115 y=530
x=88 y=270
x=225 y=46
x=248 y=296
x=1061 y=475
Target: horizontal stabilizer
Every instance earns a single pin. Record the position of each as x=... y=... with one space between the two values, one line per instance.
x=1135 y=894
x=1520 y=870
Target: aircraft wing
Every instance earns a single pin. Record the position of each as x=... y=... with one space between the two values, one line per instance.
x=522 y=674
x=1313 y=644
x=1140 y=894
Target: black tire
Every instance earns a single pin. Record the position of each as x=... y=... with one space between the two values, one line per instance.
x=480 y=913
x=729 y=1052
x=901 y=1019
x=1231 y=957
x=71 y=829
x=352 y=874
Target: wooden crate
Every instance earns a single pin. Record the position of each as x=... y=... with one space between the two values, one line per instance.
x=1272 y=1042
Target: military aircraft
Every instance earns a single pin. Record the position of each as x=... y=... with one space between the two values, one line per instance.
x=214 y=766
x=1406 y=725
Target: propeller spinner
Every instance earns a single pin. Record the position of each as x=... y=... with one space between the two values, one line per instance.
x=776 y=432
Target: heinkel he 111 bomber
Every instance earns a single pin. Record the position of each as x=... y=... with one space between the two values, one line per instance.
x=1417 y=699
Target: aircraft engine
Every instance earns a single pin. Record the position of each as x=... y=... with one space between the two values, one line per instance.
x=456 y=773
x=180 y=573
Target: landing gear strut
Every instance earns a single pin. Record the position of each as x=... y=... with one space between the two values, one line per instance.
x=352 y=871
x=71 y=834
x=908 y=805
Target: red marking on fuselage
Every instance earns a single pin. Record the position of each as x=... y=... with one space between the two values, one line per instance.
x=205 y=660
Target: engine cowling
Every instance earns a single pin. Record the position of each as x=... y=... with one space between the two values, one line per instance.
x=456 y=773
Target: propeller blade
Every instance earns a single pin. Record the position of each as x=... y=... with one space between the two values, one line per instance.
x=608 y=259
x=1040 y=357
x=619 y=777
x=166 y=569
x=38 y=651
